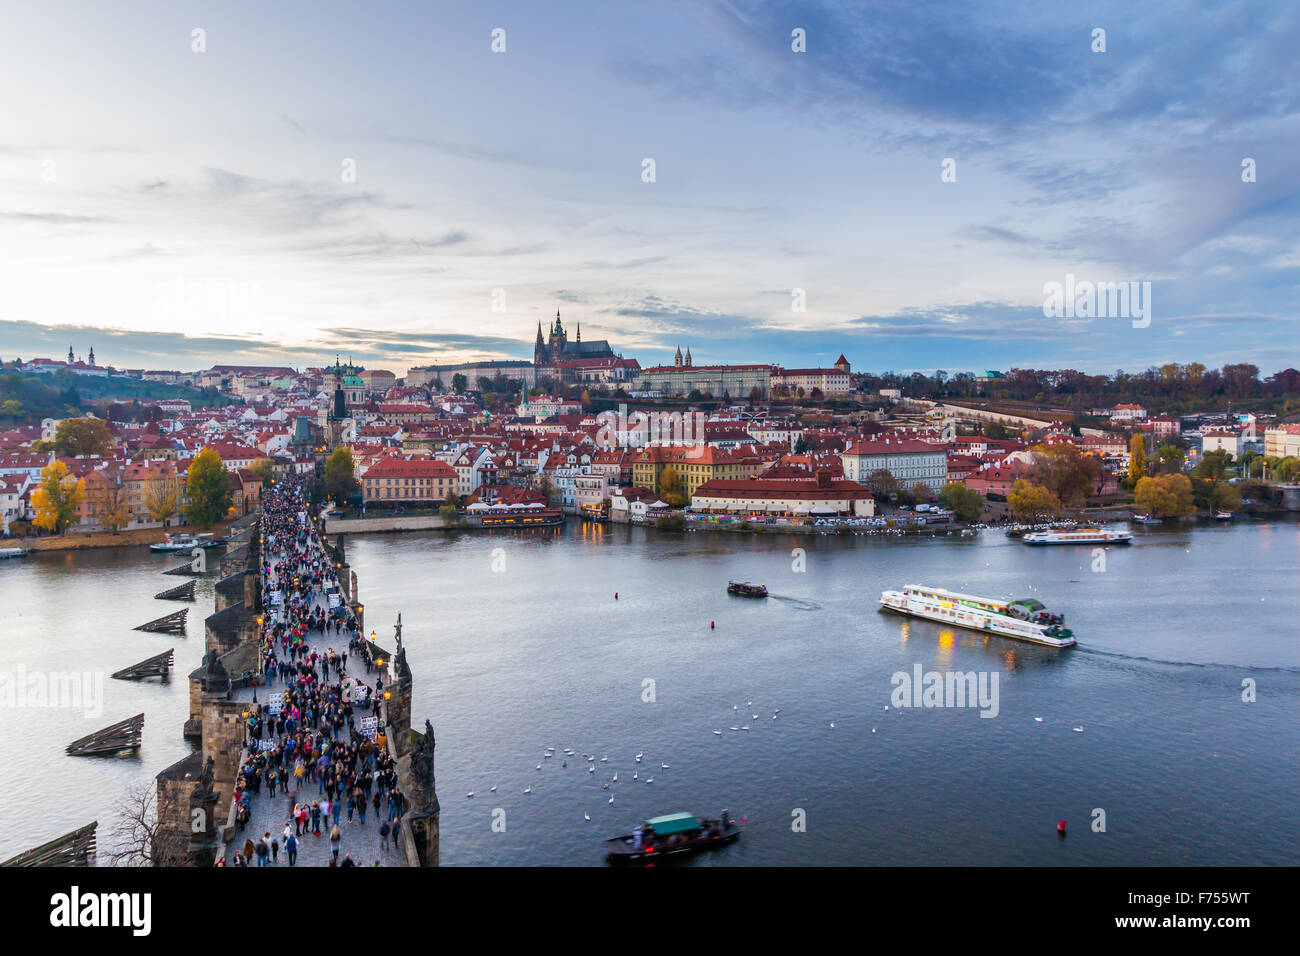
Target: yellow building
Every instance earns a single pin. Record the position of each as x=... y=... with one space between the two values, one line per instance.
x=694 y=465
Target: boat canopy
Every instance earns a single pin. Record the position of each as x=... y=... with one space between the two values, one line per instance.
x=1029 y=604
x=673 y=823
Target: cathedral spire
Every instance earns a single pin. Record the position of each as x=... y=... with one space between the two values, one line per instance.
x=677 y=359
x=578 y=333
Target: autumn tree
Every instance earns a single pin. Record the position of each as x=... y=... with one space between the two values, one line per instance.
x=207 y=485
x=56 y=498
x=108 y=503
x=1137 y=458
x=340 y=475
x=74 y=437
x=881 y=483
x=264 y=468
x=162 y=501
x=671 y=489
x=1066 y=471
x=1165 y=496
x=1032 y=504
x=965 y=503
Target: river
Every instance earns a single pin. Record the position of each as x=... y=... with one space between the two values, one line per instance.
x=518 y=643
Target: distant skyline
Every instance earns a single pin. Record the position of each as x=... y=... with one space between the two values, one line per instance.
x=177 y=209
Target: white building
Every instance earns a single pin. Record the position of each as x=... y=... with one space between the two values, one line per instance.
x=907 y=459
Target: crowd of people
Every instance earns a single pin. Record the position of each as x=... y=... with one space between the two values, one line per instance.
x=310 y=744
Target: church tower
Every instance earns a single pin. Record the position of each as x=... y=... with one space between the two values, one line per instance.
x=688 y=356
x=677 y=359
x=92 y=355
x=71 y=360
x=539 y=348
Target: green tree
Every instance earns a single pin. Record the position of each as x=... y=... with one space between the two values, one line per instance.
x=458 y=383
x=1225 y=497
x=965 y=503
x=56 y=497
x=207 y=486
x=82 y=436
x=1213 y=464
x=1032 y=504
x=340 y=475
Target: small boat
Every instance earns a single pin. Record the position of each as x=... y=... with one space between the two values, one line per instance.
x=676 y=834
x=12 y=553
x=1148 y=519
x=1223 y=516
x=745 y=589
x=1081 y=536
x=184 y=542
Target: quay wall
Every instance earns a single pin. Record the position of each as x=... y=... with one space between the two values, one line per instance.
x=400 y=523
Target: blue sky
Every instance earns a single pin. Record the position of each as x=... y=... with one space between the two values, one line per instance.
x=176 y=208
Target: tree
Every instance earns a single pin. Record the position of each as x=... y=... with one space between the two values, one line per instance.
x=965 y=503
x=458 y=383
x=208 y=487
x=1225 y=497
x=56 y=498
x=264 y=468
x=137 y=838
x=1171 y=457
x=108 y=504
x=1137 y=458
x=82 y=436
x=162 y=502
x=671 y=489
x=1213 y=464
x=1065 y=471
x=1165 y=496
x=881 y=483
x=11 y=408
x=1032 y=504
x=340 y=475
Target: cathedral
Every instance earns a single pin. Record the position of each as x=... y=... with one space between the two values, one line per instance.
x=551 y=352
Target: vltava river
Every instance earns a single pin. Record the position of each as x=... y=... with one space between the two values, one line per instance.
x=518 y=644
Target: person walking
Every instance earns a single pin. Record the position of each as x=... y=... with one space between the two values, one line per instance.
x=291 y=848
x=336 y=838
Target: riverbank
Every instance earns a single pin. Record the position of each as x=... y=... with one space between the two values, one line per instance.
x=79 y=541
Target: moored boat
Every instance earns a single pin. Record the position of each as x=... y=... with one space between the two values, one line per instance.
x=1025 y=619
x=1079 y=536
x=675 y=834
x=184 y=542
x=745 y=589
x=1223 y=516
x=12 y=553
x=1148 y=519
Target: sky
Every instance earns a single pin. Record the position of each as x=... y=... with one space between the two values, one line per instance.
x=297 y=180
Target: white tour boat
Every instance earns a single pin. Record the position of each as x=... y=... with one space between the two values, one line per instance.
x=183 y=542
x=1079 y=536
x=1024 y=620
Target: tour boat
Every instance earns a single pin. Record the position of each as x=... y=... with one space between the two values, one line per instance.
x=184 y=542
x=1024 y=620
x=675 y=834
x=745 y=589
x=1079 y=536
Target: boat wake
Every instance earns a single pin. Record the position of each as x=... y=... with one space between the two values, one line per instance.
x=796 y=603
x=1207 y=665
